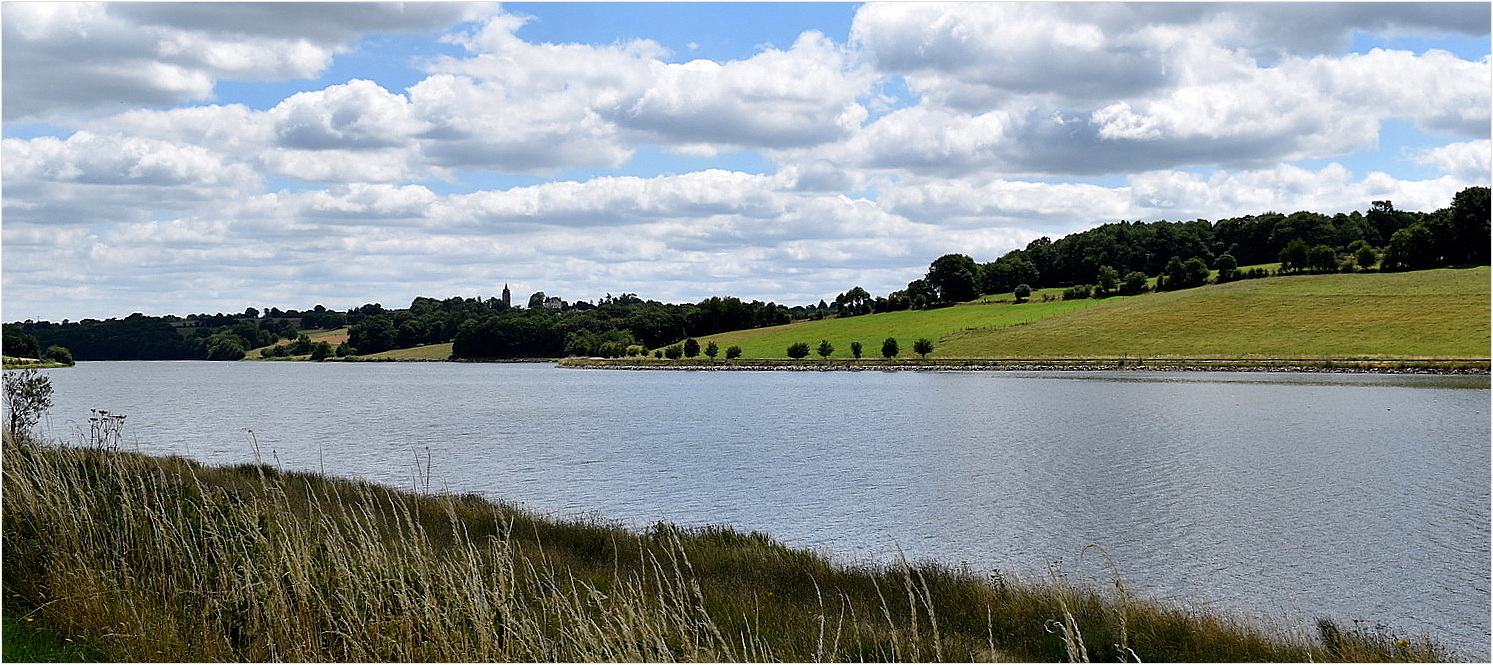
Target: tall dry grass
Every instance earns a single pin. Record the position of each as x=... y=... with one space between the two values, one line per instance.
x=149 y=559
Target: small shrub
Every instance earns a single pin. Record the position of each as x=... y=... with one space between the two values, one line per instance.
x=28 y=394
x=1078 y=292
x=889 y=348
x=712 y=350
x=855 y=350
x=733 y=352
x=691 y=348
x=674 y=352
x=59 y=355
x=1135 y=282
x=825 y=348
x=923 y=346
x=798 y=350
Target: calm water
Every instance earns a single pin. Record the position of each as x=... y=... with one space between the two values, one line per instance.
x=1296 y=496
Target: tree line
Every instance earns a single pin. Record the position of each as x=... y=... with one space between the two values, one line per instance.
x=1115 y=258
x=1121 y=257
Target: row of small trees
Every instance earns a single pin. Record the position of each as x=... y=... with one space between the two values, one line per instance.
x=690 y=348
x=889 y=348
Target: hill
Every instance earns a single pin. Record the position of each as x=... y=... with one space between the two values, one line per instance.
x=1423 y=314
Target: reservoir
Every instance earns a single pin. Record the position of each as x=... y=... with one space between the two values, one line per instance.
x=1292 y=496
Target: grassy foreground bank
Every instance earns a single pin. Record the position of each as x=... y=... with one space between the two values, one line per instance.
x=149 y=559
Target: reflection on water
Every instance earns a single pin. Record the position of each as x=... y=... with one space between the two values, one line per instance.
x=1302 y=495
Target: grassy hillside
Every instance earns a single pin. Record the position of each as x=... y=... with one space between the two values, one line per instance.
x=333 y=336
x=427 y=352
x=906 y=326
x=1422 y=314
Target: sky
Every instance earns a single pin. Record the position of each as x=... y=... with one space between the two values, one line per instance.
x=180 y=158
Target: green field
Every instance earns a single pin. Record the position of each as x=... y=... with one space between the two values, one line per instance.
x=1422 y=314
x=906 y=326
x=427 y=352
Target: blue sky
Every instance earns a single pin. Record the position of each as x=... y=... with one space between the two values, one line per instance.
x=183 y=158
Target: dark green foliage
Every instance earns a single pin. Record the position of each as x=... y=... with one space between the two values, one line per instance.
x=1107 y=281
x=712 y=349
x=28 y=395
x=691 y=348
x=1195 y=272
x=674 y=352
x=923 y=346
x=855 y=350
x=1022 y=292
x=1078 y=292
x=225 y=348
x=321 y=351
x=1227 y=267
x=798 y=350
x=890 y=348
x=374 y=334
x=825 y=348
x=58 y=354
x=1468 y=232
x=1135 y=282
x=137 y=337
x=733 y=352
x=1004 y=274
x=1322 y=258
x=1365 y=257
x=18 y=344
x=1295 y=256
x=855 y=302
x=952 y=278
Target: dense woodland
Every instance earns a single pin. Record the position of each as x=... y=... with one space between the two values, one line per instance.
x=1117 y=258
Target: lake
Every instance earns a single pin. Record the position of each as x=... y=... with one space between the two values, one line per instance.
x=1355 y=497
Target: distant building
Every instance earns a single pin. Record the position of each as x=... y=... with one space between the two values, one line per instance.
x=507 y=297
x=554 y=302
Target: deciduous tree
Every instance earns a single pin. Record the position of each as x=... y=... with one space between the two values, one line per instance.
x=889 y=348
x=923 y=346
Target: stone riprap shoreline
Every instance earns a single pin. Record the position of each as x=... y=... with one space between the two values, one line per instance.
x=1398 y=366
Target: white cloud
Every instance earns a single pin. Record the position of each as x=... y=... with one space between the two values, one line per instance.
x=90 y=178
x=66 y=58
x=1469 y=161
x=775 y=99
x=1283 y=188
x=357 y=115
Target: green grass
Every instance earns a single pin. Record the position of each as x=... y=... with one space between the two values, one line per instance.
x=26 y=640
x=333 y=336
x=906 y=326
x=427 y=352
x=1423 y=314
x=30 y=363
x=1438 y=314
x=152 y=559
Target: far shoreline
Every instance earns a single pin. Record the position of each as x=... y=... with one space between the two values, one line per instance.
x=1356 y=366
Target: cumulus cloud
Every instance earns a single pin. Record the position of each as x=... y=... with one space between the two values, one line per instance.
x=622 y=95
x=1469 y=160
x=806 y=95
x=88 y=57
x=90 y=179
x=1187 y=109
